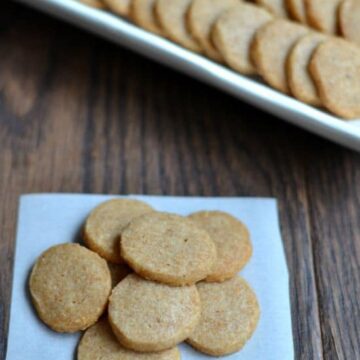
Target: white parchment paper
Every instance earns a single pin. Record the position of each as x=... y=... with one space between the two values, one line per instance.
x=49 y=219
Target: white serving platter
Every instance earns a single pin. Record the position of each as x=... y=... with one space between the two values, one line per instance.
x=245 y=88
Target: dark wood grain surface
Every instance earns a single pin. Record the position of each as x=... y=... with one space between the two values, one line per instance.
x=78 y=114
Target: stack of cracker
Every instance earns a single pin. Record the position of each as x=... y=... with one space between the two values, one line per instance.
x=148 y=281
x=289 y=43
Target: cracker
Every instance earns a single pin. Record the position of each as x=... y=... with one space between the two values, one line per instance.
x=300 y=81
x=118 y=272
x=323 y=15
x=276 y=7
x=103 y=227
x=99 y=343
x=232 y=240
x=229 y=317
x=69 y=287
x=296 y=10
x=349 y=16
x=270 y=49
x=335 y=67
x=94 y=3
x=120 y=7
x=168 y=248
x=147 y=316
x=142 y=12
x=172 y=18
x=233 y=34
x=201 y=18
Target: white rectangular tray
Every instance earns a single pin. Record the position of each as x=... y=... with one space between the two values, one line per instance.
x=252 y=91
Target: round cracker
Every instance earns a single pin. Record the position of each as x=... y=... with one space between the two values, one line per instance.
x=349 y=15
x=300 y=81
x=229 y=317
x=335 y=68
x=147 y=316
x=233 y=34
x=94 y=3
x=296 y=10
x=323 y=15
x=106 y=222
x=276 y=7
x=232 y=240
x=118 y=272
x=168 y=248
x=69 y=287
x=99 y=342
x=142 y=12
x=120 y=7
x=202 y=16
x=172 y=18
x=270 y=49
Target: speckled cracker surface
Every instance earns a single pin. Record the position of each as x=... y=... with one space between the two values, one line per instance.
x=349 y=19
x=142 y=12
x=120 y=7
x=323 y=14
x=62 y=217
x=147 y=316
x=202 y=16
x=233 y=34
x=229 y=316
x=103 y=227
x=335 y=68
x=270 y=50
x=99 y=343
x=300 y=81
x=296 y=9
x=232 y=240
x=70 y=286
x=172 y=16
x=276 y=7
x=168 y=248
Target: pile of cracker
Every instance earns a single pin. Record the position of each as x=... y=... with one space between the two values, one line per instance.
x=147 y=281
x=305 y=48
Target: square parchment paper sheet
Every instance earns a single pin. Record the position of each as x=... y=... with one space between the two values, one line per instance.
x=49 y=219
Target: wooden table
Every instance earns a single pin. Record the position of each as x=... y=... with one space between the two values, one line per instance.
x=78 y=114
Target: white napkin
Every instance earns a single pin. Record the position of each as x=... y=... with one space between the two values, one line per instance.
x=49 y=219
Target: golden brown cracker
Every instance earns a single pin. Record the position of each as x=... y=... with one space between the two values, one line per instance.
x=270 y=49
x=69 y=287
x=142 y=12
x=229 y=317
x=300 y=81
x=349 y=15
x=276 y=7
x=232 y=240
x=172 y=18
x=335 y=68
x=120 y=7
x=104 y=225
x=147 y=316
x=202 y=16
x=323 y=15
x=168 y=248
x=233 y=34
x=94 y=3
x=99 y=343
x=296 y=10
